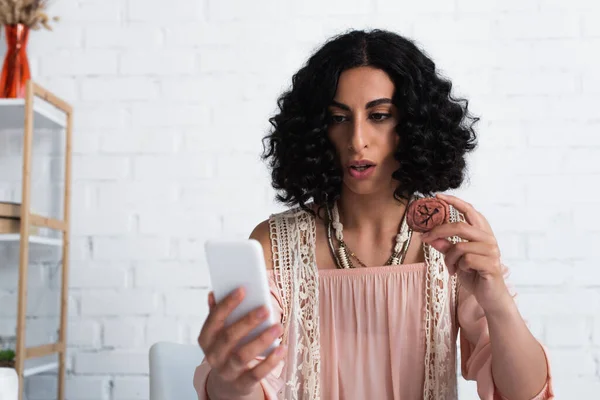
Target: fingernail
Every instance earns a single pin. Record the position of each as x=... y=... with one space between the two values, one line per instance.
x=276 y=330
x=238 y=293
x=262 y=312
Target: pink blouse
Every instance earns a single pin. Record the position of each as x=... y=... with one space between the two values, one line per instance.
x=373 y=340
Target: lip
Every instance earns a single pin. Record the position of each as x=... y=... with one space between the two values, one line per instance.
x=359 y=163
x=356 y=174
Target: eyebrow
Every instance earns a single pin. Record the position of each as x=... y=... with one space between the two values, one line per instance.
x=370 y=104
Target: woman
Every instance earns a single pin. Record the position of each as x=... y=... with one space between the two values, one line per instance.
x=368 y=307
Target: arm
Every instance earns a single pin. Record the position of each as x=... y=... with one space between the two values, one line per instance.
x=207 y=384
x=499 y=352
x=519 y=364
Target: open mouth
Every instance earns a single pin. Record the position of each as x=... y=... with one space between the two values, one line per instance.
x=361 y=168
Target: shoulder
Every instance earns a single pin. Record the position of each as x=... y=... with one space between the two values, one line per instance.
x=264 y=231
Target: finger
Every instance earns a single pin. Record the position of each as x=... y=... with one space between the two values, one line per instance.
x=481 y=264
x=211 y=300
x=216 y=318
x=262 y=369
x=472 y=216
x=229 y=338
x=460 y=229
x=468 y=249
x=242 y=356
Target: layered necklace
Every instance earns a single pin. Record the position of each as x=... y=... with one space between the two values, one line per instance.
x=343 y=255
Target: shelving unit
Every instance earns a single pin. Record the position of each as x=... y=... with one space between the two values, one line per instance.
x=50 y=113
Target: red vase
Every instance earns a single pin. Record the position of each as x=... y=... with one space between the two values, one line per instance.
x=15 y=70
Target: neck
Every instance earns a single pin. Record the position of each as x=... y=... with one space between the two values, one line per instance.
x=379 y=212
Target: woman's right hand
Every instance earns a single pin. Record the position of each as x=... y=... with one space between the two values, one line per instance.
x=230 y=376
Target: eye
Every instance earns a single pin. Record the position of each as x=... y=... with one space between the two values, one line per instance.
x=379 y=117
x=337 y=119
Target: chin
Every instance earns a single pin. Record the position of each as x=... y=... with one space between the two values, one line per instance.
x=366 y=187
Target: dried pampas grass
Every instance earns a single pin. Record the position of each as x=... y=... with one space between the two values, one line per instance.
x=31 y=13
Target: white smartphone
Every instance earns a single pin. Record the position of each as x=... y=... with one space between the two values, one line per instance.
x=235 y=263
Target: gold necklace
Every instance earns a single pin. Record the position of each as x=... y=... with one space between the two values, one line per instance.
x=343 y=254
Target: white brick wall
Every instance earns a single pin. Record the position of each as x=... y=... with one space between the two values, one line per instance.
x=171 y=101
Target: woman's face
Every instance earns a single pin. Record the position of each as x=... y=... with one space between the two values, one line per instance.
x=362 y=129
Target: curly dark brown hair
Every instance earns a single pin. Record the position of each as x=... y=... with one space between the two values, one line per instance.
x=436 y=129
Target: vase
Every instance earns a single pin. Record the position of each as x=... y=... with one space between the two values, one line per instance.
x=9 y=384
x=15 y=70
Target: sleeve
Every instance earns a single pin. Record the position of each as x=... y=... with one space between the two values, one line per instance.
x=476 y=350
x=272 y=383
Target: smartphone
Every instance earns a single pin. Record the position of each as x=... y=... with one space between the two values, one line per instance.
x=235 y=263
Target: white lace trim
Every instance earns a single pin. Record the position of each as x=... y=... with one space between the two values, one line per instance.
x=293 y=236
x=295 y=270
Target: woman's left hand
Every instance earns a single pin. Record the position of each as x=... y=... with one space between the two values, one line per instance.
x=477 y=261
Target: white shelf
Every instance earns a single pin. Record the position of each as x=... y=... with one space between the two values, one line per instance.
x=15 y=237
x=12 y=115
x=41 y=249
x=37 y=366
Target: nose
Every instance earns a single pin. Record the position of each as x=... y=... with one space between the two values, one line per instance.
x=359 y=138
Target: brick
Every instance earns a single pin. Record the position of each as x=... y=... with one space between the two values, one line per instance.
x=129 y=303
x=571 y=332
x=590 y=83
x=80 y=63
x=580 y=302
x=79 y=249
x=590 y=23
x=534 y=83
x=224 y=194
x=67 y=88
x=119 y=89
x=570 y=363
x=552 y=246
x=161 y=168
x=64 y=37
x=528 y=219
x=172 y=275
x=584 y=276
x=132 y=194
x=179 y=10
x=596 y=332
x=463 y=28
x=187 y=302
x=547 y=26
x=138 y=36
x=158 y=63
x=101 y=167
x=83 y=333
x=140 y=142
x=87 y=387
x=577 y=388
x=130 y=388
x=191 y=249
x=560 y=6
x=99 y=11
x=172 y=115
x=131 y=249
x=542 y=274
x=159 y=329
x=123 y=333
x=540 y=188
x=112 y=362
x=493 y=6
x=238 y=10
x=178 y=224
x=95 y=117
x=98 y=276
x=102 y=222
